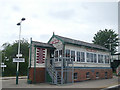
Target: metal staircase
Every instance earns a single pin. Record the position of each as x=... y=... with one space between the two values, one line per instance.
x=59 y=75
x=56 y=78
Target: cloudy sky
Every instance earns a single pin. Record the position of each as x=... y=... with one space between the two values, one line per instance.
x=70 y=18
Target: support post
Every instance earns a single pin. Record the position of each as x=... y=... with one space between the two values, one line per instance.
x=72 y=72
x=62 y=71
x=3 y=72
x=29 y=66
x=35 y=66
x=17 y=72
x=45 y=70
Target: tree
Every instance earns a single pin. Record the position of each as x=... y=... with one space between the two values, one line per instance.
x=10 y=51
x=107 y=38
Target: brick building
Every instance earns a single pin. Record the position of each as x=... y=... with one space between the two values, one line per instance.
x=64 y=60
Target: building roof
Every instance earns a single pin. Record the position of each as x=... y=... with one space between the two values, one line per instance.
x=41 y=44
x=81 y=43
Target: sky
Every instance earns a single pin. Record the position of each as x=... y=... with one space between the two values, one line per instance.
x=75 y=19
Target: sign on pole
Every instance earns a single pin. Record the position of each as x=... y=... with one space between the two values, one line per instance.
x=20 y=55
x=18 y=59
x=2 y=63
x=3 y=66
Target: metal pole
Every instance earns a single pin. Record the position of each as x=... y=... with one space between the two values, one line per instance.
x=110 y=53
x=3 y=72
x=17 y=72
x=62 y=71
x=35 y=65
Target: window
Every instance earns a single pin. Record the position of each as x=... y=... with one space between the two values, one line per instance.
x=60 y=54
x=88 y=75
x=51 y=53
x=75 y=75
x=78 y=56
x=82 y=57
x=88 y=57
x=106 y=58
x=95 y=58
x=91 y=57
x=56 y=55
x=100 y=58
x=97 y=74
x=73 y=55
x=105 y=74
x=67 y=53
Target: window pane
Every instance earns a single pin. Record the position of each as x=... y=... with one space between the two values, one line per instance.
x=97 y=74
x=56 y=55
x=101 y=58
x=78 y=56
x=82 y=57
x=106 y=58
x=95 y=58
x=75 y=75
x=60 y=54
x=73 y=55
x=106 y=74
x=87 y=75
x=98 y=58
x=91 y=57
x=67 y=53
x=88 y=57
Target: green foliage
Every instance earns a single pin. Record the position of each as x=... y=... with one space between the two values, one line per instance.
x=107 y=38
x=9 y=52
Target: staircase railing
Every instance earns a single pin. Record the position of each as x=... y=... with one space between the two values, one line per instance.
x=58 y=75
x=52 y=73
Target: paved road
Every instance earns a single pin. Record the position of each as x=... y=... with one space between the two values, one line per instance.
x=103 y=83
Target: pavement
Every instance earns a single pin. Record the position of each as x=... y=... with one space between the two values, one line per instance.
x=14 y=77
x=103 y=84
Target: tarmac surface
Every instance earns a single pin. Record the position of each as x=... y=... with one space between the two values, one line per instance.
x=10 y=82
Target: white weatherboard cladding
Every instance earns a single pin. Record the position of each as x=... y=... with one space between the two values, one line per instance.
x=79 y=64
x=32 y=59
x=58 y=45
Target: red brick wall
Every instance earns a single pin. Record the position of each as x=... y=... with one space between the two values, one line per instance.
x=39 y=75
x=82 y=73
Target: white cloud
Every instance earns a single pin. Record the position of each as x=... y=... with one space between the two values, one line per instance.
x=74 y=19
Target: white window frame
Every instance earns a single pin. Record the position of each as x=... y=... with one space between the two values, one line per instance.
x=58 y=54
x=75 y=77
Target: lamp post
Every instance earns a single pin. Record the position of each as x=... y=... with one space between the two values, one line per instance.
x=17 y=72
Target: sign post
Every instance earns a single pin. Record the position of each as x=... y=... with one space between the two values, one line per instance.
x=17 y=72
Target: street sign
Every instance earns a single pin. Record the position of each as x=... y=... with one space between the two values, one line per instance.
x=20 y=55
x=2 y=63
x=18 y=60
x=3 y=66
